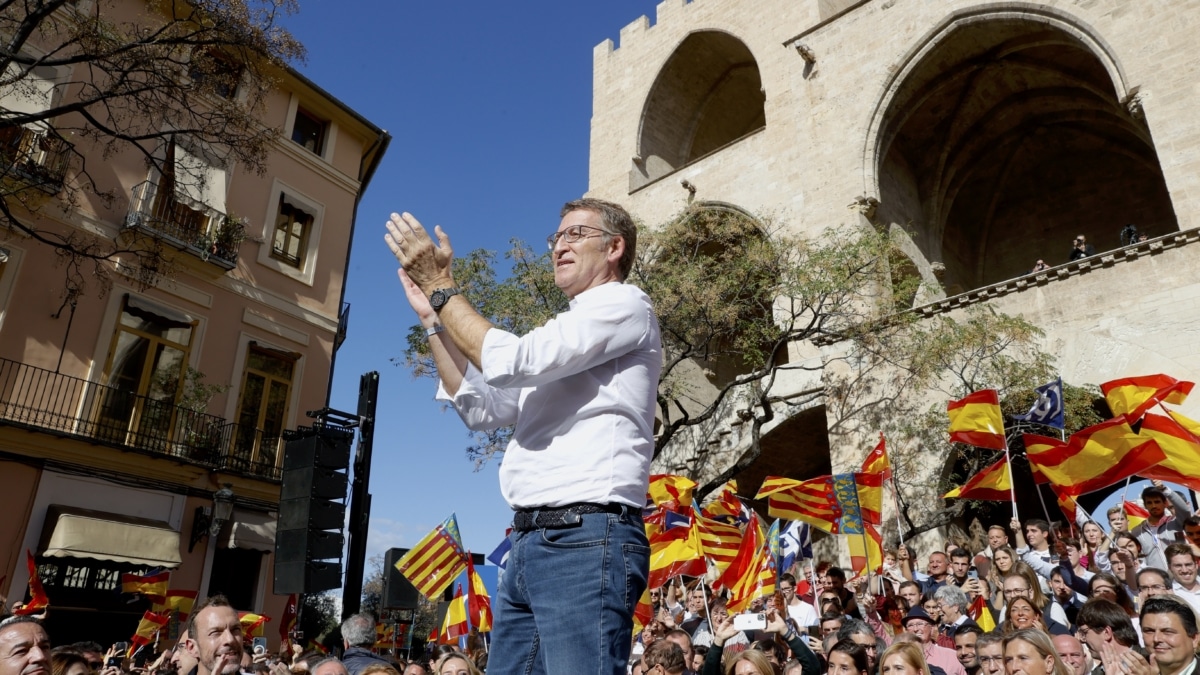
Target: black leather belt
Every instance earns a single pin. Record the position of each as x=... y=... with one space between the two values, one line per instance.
x=559 y=517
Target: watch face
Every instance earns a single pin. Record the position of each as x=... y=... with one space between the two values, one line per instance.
x=438 y=299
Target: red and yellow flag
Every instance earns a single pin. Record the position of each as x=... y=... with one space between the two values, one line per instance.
x=455 y=623
x=1133 y=396
x=385 y=635
x=1181 y=447
x=176 y=601
x=37 y=595
x=670 y=491
x=252 y=624
x=980 y=614
x=812 y=501
x=479 y=603
x=991 y=484
x=643 y=612
x=1093 y=458
x=725 y=505
x=290 y=612
x=875 y=471
x=676 y=548
x=720 y=542
x=976 y=420
x=153 y=586
x=752 y=573
x=150 y=624
x=866 y=550
x=1134 y=514
x=436 y=561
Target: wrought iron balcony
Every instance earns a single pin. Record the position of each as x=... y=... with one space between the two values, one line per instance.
x=43 y=400
x=37 y=156
x=208 y=235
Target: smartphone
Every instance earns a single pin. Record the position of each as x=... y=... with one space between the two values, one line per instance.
x=260 y=645
x=115 y=662
x=750 y=621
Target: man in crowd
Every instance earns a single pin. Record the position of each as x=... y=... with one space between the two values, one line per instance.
x=800 y=611
x=1191 y=531
x=911 y=592
x=937 y=571
x=684 y=640
x=415 y=668
x=989 y=650
x=181 y=657
x=330 y=666
x=965 y=641
x=1151 y=582
x=358 y=637
x=215 y=637
x=1036 y=542
x=997 y=536
x=581 y=392
x=918 y=623
x=960 y=567
x=831 y=623
x=861 y=634
x=1169 y=631
x=1070 y=650
x=1183 y=573
x=1064 y=596
x=1117 y=522
x=953 y=603
x=24 y=647
x=837 y=584
x=1106 y=629
x=1161 y=528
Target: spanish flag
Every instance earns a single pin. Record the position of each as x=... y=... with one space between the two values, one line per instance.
x=671 y=491
x=1134 y=514
x=385 y=635
x=153 y=586
x=479 y=603
x=455 y=625
x=1181 y=447
x=992 y=484
x=150 y=624
x=875 y=471
x=980 y=614
x=1133 y=396
x=176 y=601
x=676 y=549
x=976 y=420
x=252 y=624
x=866 y=551
x=37 y=594
x=725 y=506
x=643 y=612
x=1093 y=458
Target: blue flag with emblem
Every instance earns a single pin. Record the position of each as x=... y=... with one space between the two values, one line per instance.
x=499 y=557
x=795 y=544
x=1048 y=408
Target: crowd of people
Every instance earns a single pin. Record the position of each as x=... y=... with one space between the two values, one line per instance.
x=1036 y=599
x=213 y=643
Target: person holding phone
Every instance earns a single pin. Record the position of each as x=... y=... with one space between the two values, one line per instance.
x=761 y=665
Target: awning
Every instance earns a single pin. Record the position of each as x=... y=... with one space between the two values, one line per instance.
x=253 y=530
x=79 y=533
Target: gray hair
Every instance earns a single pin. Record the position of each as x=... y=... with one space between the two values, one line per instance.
x=359 y=630
x=617 y=222
x=853 y=627
x=329 y=659
x=952 y=595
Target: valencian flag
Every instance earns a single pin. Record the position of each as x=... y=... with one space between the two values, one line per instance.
x=1048 y=408
x=252 y=624
x=37 y=595
x=751 y=574
x=1181 y=447
x=176 y=601
x=479 y=603
x=670 y=491
x=1133 y=396
x=290 y=612
x=675 y=546
x=991 y=484
x=436 y=561
x=455 y=625
x=1134 y=514
x=1092 y=458
x=150 y=624
x=875 y=470
x=976 y=420
x=828 y=502
x=720 y=542
x=153 y=586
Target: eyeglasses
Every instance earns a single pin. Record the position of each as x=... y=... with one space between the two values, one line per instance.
x=991 y=659
x=1151 y=587
x=573 y=234
x=1010 y=592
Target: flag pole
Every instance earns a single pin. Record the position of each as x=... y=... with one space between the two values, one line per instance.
x=1042 y=499
x=1012 y=487
x=896 y=498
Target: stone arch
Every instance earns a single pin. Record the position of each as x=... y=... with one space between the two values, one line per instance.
x=1006 y=132
x=707 y=95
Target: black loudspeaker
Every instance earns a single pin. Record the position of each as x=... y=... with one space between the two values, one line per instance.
x=398 y=593
x=312 y=511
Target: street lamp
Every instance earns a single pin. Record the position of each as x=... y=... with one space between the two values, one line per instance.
x=208 y=521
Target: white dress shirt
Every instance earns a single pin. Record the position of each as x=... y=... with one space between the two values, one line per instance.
x=581 y=391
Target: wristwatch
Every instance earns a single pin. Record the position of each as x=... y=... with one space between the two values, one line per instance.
x=441 y=296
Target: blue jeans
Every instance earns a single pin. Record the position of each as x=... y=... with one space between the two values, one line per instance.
x=565 y=603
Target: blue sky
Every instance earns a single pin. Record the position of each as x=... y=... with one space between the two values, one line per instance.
x=489 y=105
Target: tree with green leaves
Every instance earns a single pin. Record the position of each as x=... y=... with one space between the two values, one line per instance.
x=86 y=82
x=742 y=303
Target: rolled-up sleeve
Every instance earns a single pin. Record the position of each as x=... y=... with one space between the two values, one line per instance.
x=482 y=407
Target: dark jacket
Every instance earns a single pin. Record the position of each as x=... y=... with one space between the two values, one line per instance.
x=809 y=663
x=356 y=659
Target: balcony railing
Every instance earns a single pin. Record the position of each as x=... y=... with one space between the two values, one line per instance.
x=43 y=400
x=38 y=156
x=200 y=232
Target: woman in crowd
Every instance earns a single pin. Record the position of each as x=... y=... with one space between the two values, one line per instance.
x=847 y=658
x=455 y=664
x=1030 y=652
x=69 y=663
x=1106 y=586
x=1022 y=613
x=903 y=658
x=1003 y=560
x=1095 y=545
